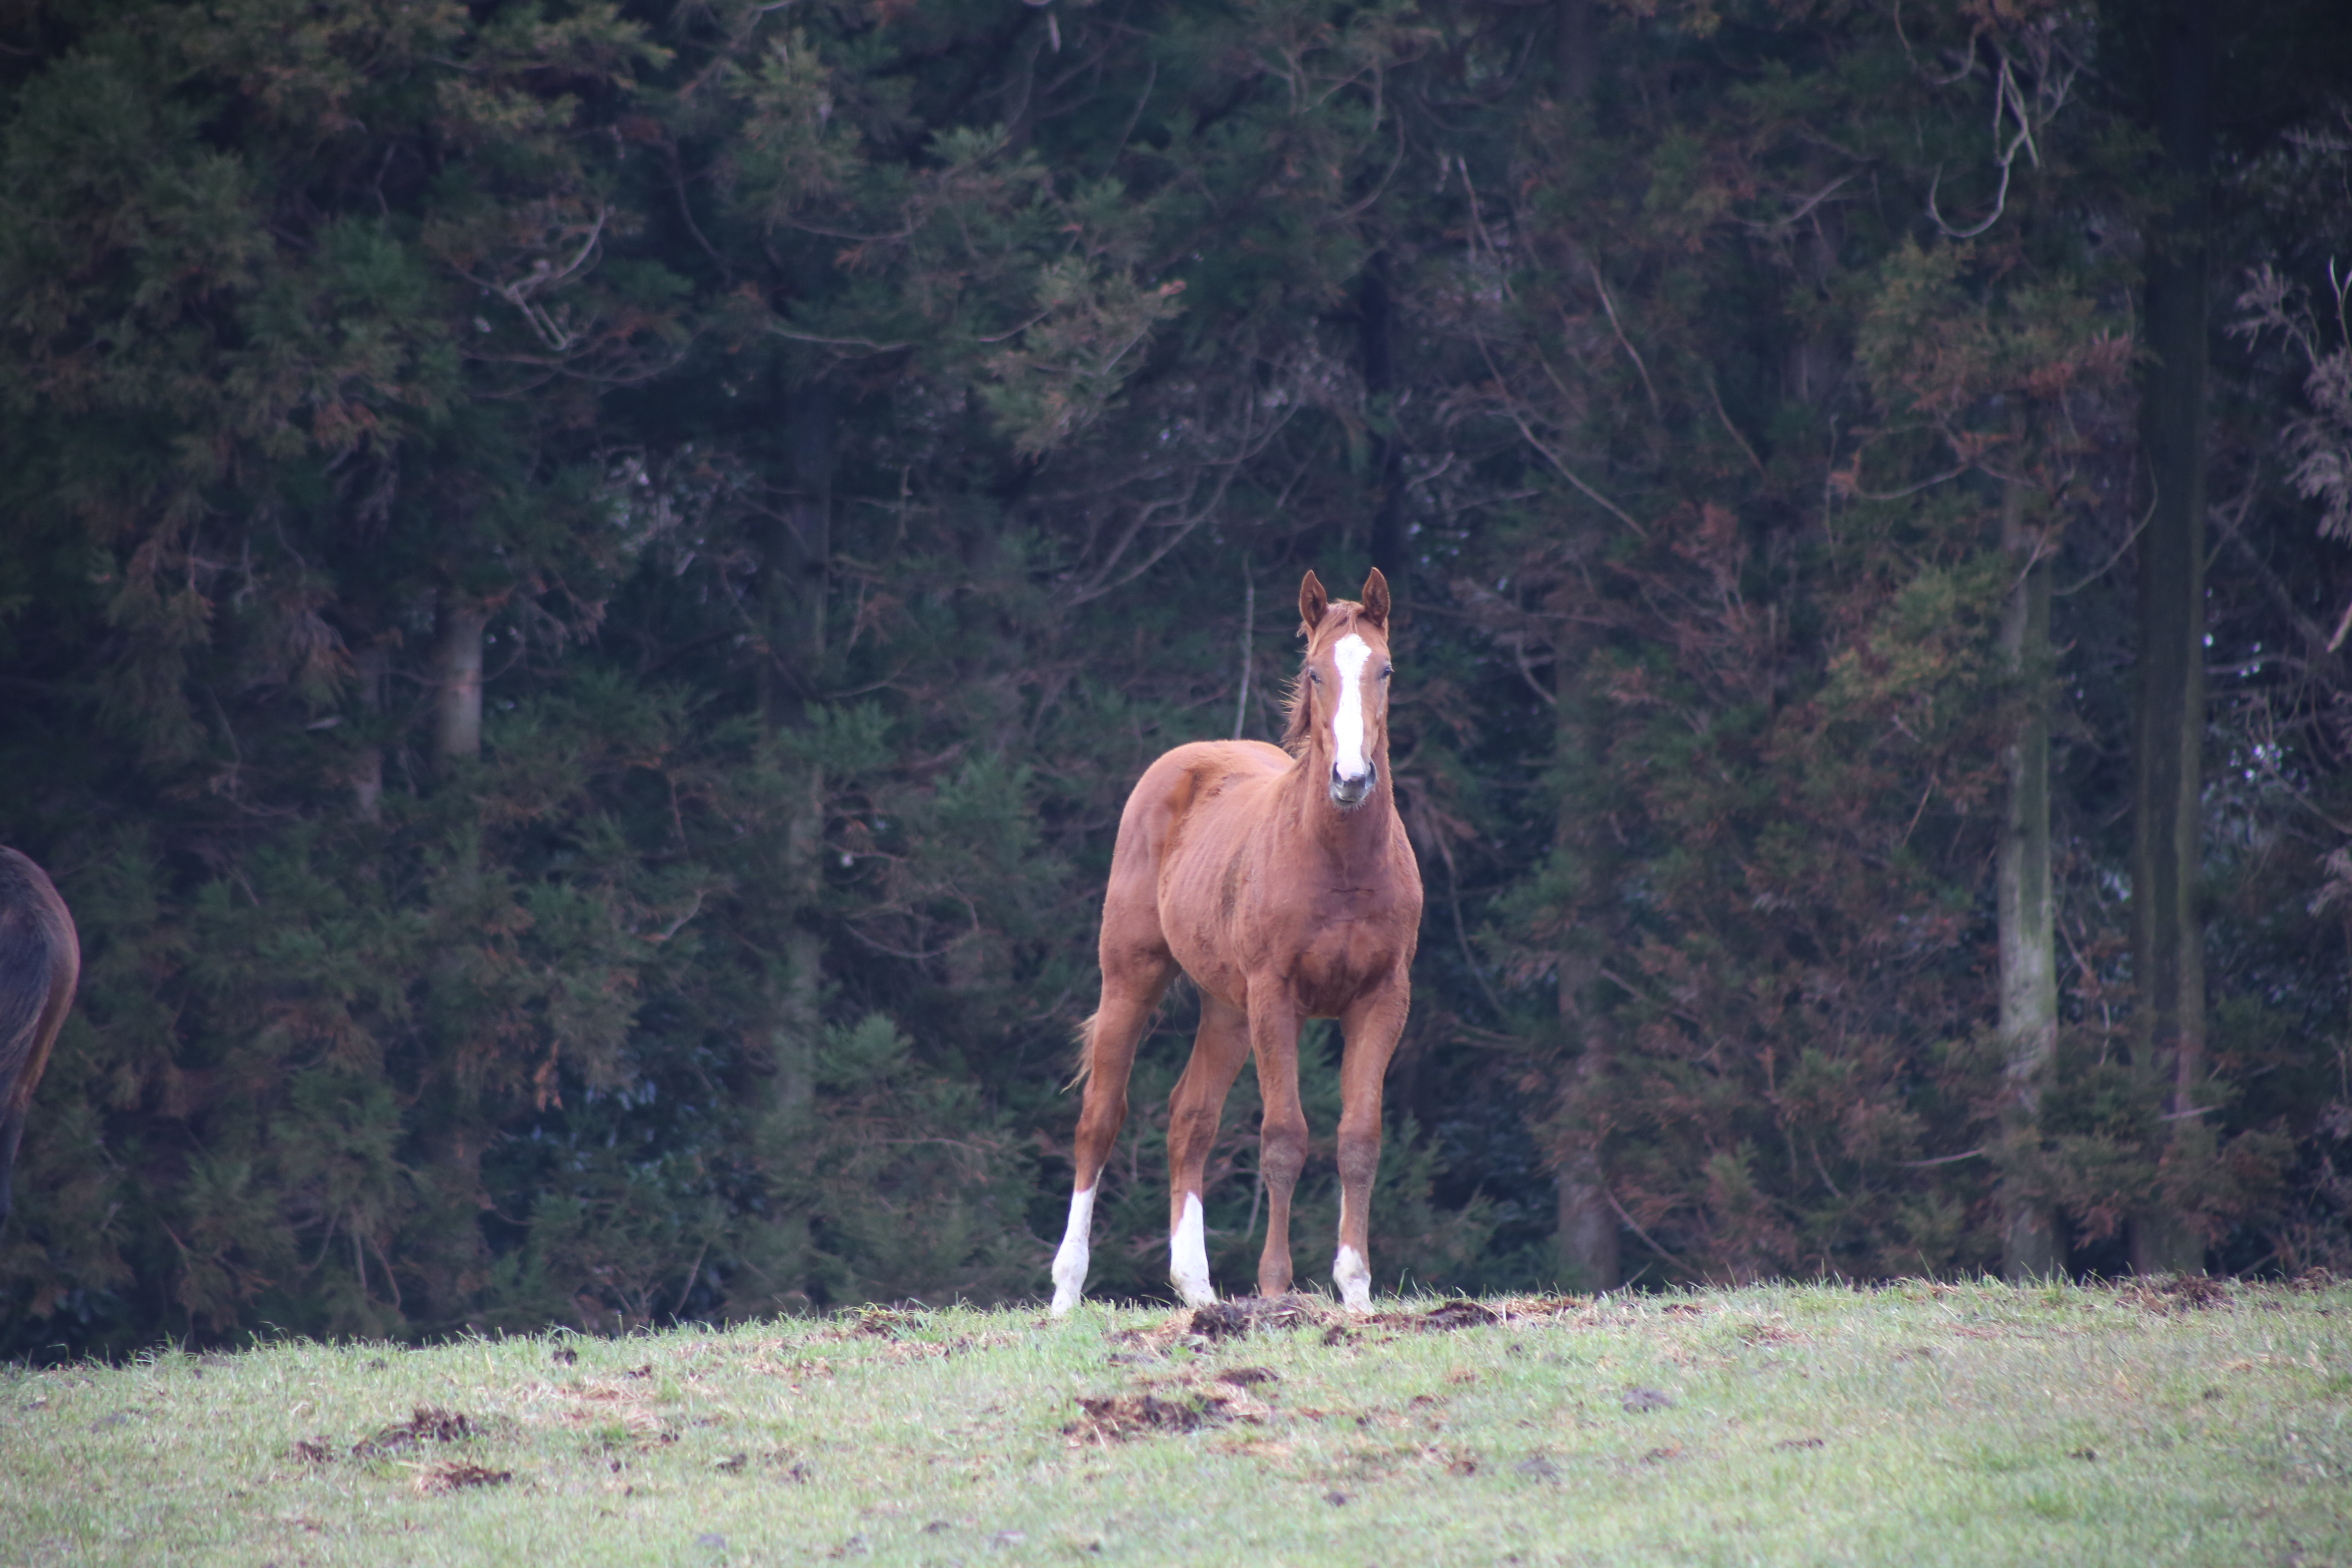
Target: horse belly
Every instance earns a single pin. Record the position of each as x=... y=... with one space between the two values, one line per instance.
x=1202 y=935
x=1208 y=888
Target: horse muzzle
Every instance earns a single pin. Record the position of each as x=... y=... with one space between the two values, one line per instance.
x=1347 y=794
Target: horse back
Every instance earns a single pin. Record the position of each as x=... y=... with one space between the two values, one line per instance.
x=40 y=961
x=1178 y=795
x=1209 y=790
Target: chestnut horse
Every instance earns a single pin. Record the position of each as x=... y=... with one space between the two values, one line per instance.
x=1280 y=879
x=40 y=960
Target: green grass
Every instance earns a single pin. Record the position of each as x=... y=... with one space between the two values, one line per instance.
x=1915 y=1424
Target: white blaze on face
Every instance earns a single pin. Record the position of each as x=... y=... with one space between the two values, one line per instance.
x=1188 y=1257
x=1070 y=1262
x=1350 y=655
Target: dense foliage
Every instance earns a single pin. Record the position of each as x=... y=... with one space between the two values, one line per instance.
x=582 y=585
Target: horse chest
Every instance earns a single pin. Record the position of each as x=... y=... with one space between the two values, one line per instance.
x=1339 y=963
x=1324 y=943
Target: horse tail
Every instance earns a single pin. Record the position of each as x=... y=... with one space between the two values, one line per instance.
x=1086 y=1038
x=40 y=961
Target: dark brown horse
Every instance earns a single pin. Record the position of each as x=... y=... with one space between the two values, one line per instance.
x=40 y=960
x=1280 y=879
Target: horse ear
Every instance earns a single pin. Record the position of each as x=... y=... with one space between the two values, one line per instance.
x=1312 y=601
x=1376 y=599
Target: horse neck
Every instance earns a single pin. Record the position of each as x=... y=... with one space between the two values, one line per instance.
x=1350 y=835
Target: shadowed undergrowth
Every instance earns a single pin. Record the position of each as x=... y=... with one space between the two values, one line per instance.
x=2195 y=1423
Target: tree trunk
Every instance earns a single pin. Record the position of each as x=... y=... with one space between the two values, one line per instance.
x=2167 y=938
x=373 y=664
x=1375 y=312
x=2029 y=963
x=794 y=549
x=1587 y=1221
x=1587 y=1238
x=1575 y=46
x=458 y=678
x=794 y=585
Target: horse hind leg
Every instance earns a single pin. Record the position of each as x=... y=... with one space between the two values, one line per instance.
x=12 y=1129
x=23 y=1052
x=1131 y=992
x=40 y=961
x=1218 y=1049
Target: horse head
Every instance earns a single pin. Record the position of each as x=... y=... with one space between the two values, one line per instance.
x=1339 y=709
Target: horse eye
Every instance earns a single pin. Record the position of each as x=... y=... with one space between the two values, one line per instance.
x=1387 y=670
x=1315 y=676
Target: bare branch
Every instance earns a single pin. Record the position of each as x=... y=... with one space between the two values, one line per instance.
x=1730 y=427
x=1631 y=352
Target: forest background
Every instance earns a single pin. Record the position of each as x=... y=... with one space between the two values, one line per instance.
x=581 y=586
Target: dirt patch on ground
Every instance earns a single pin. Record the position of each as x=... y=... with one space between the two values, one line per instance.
x=1372 y=1463
x=1244 y=1315
x=1248 y=1376
x=596 y=1392
x=1754 y=1333
x=868 y=1335
x=1199 y=1327
x=2179 y=1293
x=1123 y=1417
x=767 y=1366
x=427 y=1424
x=455 y=1475
x=898 y=1321
x=885 y=1322
x=1514 y=1307
x=1171 y=1406
x=1462 y=1314
x=1444 y=1317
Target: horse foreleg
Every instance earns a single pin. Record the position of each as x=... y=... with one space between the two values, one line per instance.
x=1282 y=1136
x=1372 y=1026
x=1194 y=1111
x=1112 y=1034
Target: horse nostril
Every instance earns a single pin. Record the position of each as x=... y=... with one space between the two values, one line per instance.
x=1348 y=791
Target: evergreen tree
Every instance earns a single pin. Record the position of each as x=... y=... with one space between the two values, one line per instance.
x=583 y=587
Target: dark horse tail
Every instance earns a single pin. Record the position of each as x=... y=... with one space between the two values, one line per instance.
x=40 y=960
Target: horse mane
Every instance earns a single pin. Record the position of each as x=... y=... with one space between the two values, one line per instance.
x=1297 y=726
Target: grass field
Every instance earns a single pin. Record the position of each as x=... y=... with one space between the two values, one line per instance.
x=1919 y=1423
